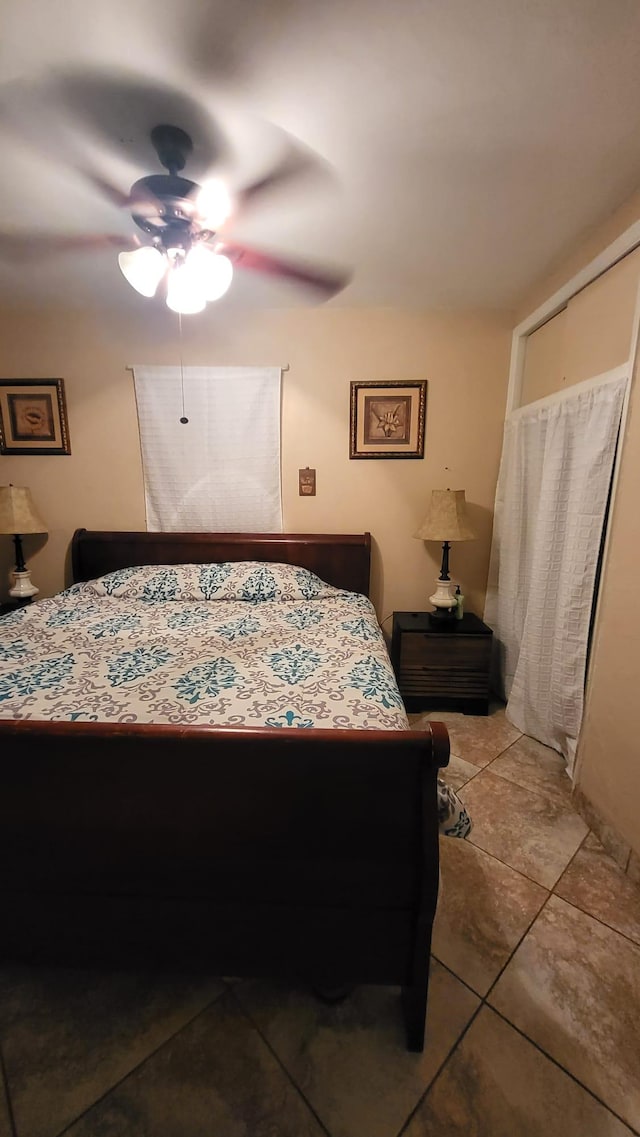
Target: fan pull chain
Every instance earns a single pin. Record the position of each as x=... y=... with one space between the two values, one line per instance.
x=184 y=420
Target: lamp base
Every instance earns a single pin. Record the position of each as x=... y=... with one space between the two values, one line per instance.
x=23 y=587
x=444 y=602
x=442 y=616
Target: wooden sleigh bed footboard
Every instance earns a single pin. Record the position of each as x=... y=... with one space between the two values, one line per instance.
x=311 y=853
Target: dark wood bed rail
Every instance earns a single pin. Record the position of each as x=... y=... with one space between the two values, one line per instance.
x=274 y=737
x=343 y=559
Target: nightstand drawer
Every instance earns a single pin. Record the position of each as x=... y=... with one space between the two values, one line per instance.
x=438 y=682
x=441 y=651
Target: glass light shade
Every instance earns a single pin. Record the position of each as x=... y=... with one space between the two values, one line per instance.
x=213 y=271
x=143 y=268
x=214 y=204
x=184 y=291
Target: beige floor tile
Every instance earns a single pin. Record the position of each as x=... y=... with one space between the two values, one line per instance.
x=484 y=909
x=498 y=1085
x=529 y=831
x=477 y=739
x=68 y=1036
x=573 y=987
x=458 y=772
x=595 y=883
x=418 y=719
x=214 y=1079
x=528 y=763
x=350 y=1060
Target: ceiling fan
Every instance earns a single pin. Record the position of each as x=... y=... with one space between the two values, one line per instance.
x=183 y=223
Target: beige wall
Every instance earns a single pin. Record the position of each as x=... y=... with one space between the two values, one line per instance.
x=595 y=334
x=570 y=261
x=591 y=335
x=463 y=357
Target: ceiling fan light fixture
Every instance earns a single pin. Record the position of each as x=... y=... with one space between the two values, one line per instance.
x=143 y=268
x=214 y=204
x=213 y=271
x=184 y=291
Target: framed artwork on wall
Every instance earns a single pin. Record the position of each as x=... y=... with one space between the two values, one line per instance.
x=33 y=417
x=388 y=419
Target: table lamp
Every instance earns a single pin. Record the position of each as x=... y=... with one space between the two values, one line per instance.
x=18 y=515
x=446 y=521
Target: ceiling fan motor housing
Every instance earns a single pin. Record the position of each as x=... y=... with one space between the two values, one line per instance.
x=162 y=202
x=172 y=145
x=164 y=205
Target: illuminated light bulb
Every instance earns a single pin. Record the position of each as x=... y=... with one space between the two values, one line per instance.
x=213 y=271
x=184 y=291
x=143 y=268
x=214 y=204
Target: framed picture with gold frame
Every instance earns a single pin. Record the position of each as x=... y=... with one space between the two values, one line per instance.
x=33 y=417
x=388 y=419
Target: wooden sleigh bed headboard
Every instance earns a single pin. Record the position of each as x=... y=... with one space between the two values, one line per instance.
x=342 y=559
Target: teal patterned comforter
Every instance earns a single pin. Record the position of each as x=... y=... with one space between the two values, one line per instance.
x=240 y=644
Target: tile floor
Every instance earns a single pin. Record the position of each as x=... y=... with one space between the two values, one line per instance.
x=533 y=1015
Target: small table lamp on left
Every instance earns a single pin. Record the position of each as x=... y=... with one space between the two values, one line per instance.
x=18 y=515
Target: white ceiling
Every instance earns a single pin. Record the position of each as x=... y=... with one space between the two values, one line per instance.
x=471 y=141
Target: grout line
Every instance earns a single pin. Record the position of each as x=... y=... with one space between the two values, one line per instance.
x=513 y=950
x=507 y=864
x=546 y=795
x=559 y=1065
x=249 y=1017
x=571 y=860
x=578 y=906
x=456 y=976
x=517 y=945
x=598 y=920
x=4 y=1086
x=143 y=1061
x=441 y=1068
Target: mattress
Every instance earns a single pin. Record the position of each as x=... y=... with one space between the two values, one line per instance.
x=243 y=644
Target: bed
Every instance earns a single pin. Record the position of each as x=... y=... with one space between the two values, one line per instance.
x=256 y=842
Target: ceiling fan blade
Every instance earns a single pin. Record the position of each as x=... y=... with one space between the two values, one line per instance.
x=118 y=109
x=324 y=280
x=297 y=166
x=26 y=247
x=111 y=192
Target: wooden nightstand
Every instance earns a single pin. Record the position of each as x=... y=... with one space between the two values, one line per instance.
x=7 y=606
x=443 y=664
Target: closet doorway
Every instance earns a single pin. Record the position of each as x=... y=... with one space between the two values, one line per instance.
x=559 y=469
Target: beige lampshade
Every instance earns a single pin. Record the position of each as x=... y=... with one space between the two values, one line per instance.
x=446 y=519
x=18 y=514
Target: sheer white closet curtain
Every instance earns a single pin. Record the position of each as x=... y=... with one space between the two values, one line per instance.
x=551 y=500
x=220 y=472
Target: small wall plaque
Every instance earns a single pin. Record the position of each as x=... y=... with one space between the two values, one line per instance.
x=307 y=482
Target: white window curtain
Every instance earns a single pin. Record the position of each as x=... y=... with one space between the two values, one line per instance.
x=220 y=472
x=551 y=501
